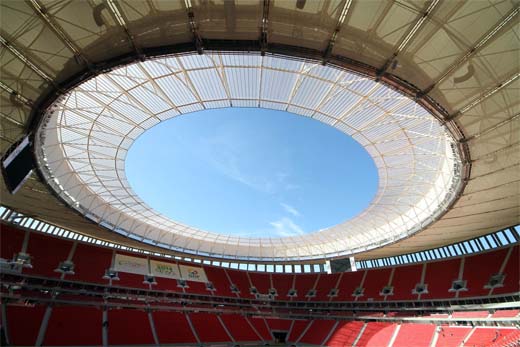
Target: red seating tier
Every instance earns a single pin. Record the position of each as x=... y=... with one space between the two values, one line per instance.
x=47 y=253
x=67 y=325
x=324 y=286
x=172 y=327
x=91 y=262
x=478 y=272
x=283 y=283
x=512 y=272
x=482 y=337
x=261 y=281
x=241 y=281
x=24 y=331
x=348 y=283
x=208 y=327
x=345 y=334
x=220 y=281
x=196 y=288
x=275 y=324
x=374 y=283
x=451 y=336
x=376 y=334
x=168 y=284
x=261 y=327
x=126 y=327
x=317 y=332
x=505 y=313
x=439 y=276
x=239 y=328
x=470 y=314
x=88 y=268
x=404 y=281
x=303 y=284
x=11 y=240
x=297 y=329
x=417 y=335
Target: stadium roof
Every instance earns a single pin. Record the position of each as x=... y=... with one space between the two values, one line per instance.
x=457 y=60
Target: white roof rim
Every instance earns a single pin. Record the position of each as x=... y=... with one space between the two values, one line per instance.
x=299 y=248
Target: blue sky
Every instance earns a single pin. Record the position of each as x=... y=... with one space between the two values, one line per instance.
x=251 y=172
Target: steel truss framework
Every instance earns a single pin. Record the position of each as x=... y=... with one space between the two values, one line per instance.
x=458 y=58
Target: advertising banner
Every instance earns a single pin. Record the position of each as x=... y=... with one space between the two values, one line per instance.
x=125 y=263
x=193 y=273
x=167 y=270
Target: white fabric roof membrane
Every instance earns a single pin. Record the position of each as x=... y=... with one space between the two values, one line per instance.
x=85 y=137
x=459 y=56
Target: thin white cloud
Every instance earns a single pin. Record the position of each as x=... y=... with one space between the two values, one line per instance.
x=290 y=209
x=286 y=227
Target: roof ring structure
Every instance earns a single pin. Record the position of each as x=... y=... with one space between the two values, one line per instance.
x=84 y=137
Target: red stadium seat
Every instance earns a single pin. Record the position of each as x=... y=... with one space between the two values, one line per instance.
x=282 y=283
x=416 y=335
x=376 y=334
x=348 y=283
x=374 y=283
x=67 y=326
x=11 y=240
x=325 y=284
x=303 y=284
x=90 y=263
x=345 y=334
x=126 y=326
x=47 y=253
x=297 y=329
x=241 y=281
x=239 y=328
x=485 y=336
x=208 y=327
x=262 y=328
x=478 y=269
x=172 y=328
x=317 y=332
x=22 y=330
x=449 y=336
x=404 y=281
x=261 y=281
x=512 y=274
x=439 y=275
x=220 y=281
